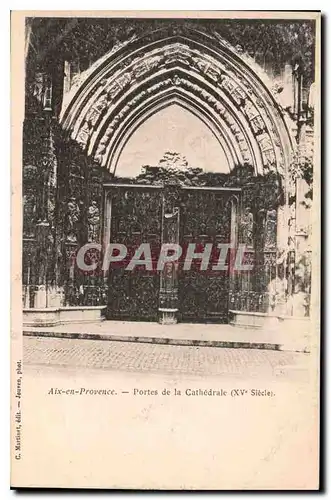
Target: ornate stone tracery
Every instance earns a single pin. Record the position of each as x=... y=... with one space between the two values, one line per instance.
x=243 y=110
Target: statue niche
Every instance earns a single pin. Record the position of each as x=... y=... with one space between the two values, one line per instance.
x=93 y=220
x=73 y=218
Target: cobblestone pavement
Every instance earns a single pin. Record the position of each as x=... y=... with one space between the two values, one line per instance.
x=170 y=359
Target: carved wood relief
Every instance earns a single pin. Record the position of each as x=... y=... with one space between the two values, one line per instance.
x=136 y=219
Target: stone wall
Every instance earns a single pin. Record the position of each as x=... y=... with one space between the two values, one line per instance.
x=62 y=210
x=63 y=185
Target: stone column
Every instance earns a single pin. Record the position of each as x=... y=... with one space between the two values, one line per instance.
x=106 y=240
x=40 y=163
x=48 y=294
x=234 y=284
x=168 y=301
x=40 y=134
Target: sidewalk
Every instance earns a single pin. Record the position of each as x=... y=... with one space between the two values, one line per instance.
x=208 y=335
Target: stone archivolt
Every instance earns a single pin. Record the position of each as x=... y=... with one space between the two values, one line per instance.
x=215 y=85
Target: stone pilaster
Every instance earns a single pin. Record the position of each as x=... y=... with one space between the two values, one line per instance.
x=39 y=200
x=168 y=301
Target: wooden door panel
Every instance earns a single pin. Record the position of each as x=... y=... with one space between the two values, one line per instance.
x=135 y=219
x=205 y=218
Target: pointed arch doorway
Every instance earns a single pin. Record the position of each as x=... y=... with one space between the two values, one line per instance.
x=205 y=76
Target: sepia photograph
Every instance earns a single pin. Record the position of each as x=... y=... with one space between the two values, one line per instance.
x=166 y=198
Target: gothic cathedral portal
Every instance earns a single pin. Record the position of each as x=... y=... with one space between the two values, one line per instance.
x=84 y=183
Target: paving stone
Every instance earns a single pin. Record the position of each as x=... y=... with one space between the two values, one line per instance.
x=130 y=356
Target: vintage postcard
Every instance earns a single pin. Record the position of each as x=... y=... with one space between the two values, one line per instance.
x=165 y=250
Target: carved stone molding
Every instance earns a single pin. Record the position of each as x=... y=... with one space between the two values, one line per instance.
x=220 y=82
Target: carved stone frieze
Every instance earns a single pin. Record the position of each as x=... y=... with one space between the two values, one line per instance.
x=267 y=151
x=194 y=88
x=221 y=76
x=236 y=93
x=243 y=146
x=84 y=133
x=102 y=147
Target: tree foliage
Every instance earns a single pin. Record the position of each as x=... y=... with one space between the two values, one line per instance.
x=268 y=41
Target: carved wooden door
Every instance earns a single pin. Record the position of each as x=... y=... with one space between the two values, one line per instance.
x=140 y=215
x=205 y=217
x=136 y=214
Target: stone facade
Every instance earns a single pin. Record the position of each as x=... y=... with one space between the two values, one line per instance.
x=79 y=115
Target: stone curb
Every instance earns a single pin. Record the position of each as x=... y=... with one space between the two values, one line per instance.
x=230 y=344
